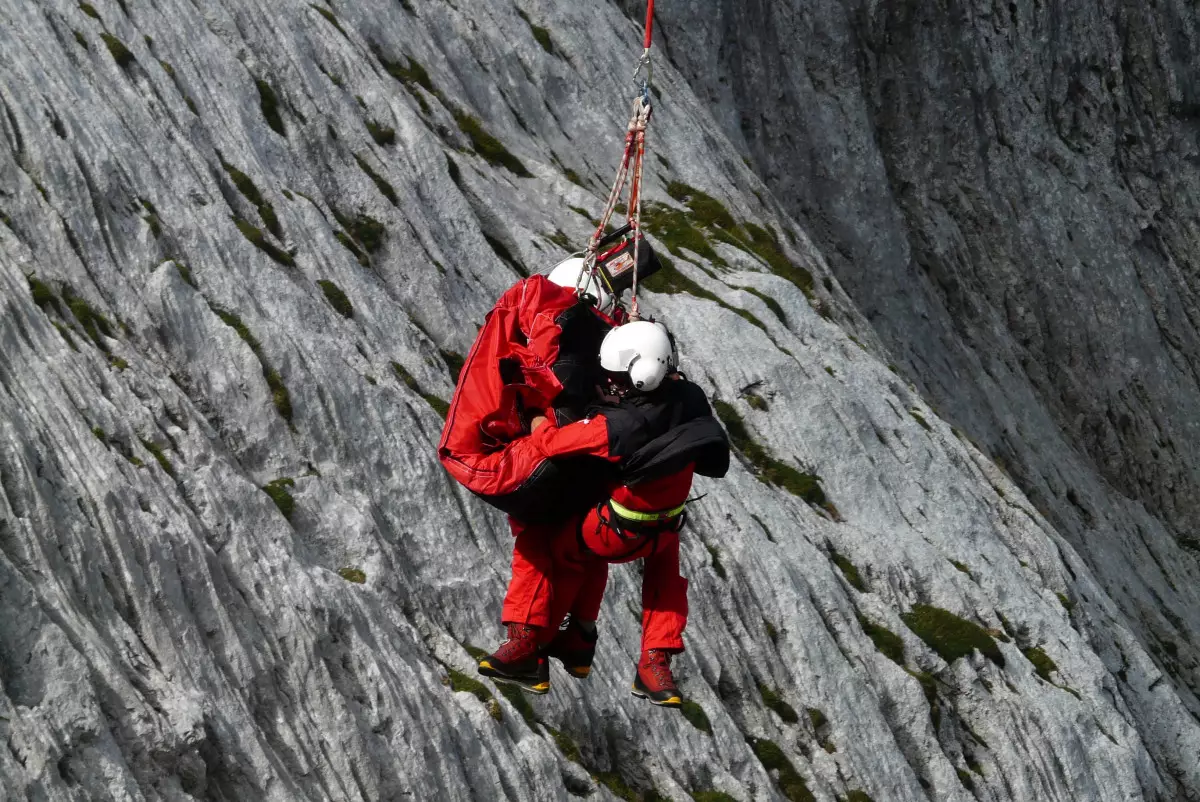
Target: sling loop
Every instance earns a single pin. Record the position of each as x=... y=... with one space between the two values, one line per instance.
x=631 y=163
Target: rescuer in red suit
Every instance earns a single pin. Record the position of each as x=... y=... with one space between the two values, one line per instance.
x=655 y=430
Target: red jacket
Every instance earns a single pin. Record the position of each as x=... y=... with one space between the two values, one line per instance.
x=517 y=368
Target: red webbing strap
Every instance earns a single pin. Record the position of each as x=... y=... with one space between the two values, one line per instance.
x=631 y=159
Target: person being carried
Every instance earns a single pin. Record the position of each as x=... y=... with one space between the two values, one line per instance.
x=657 y=429
x=534 y=356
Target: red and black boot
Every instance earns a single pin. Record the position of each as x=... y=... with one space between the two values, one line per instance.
x=574 y=647
x=654 y=681
x=519 y=661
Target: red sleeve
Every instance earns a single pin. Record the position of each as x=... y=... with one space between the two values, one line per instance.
x=587 y=437
x=538 y=308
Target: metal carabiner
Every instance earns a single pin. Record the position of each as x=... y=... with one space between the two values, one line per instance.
x=643 y=63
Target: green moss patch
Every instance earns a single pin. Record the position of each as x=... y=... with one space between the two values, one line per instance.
x=1067 y=604
x=385 y=188
x=277 y=489
x=250 y=192
x=117 y=49
x=816 y=718
x=765 y=245
x=769 y=470
x=919 y=418
x=713 y=796
x=329 y=17
x=337 y=299
x=439 y=406
x=43 y=295
x=950 y=636
x=268 y=102
x=707 y=219
x=517 y=699
x=259 y=240
x=696 y=716
x=855 y=796
x=673 y=228
x=279 y=392
x=707 y=211
x=413 y=73
x=459 y=681
x=887 y=642
x=90 y=10
x=669 y=280
x=849 y=570
x=1041 y=661
x=348 y=242
x=615 y=783
x=487 y=146
x=66 y=335
x=775 y=703
x=454 y=362
x=93 y=323
x=364 y=229
x=540 y=34
x=354 y=575
x=476 y=653
x=157 y=452
x=382 y=134
x=790 y=783
x=771 y=303
x=566 y=745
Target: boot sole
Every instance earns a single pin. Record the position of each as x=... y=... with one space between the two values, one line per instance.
x=578 y=672
x=532 y=685
x=674 y=701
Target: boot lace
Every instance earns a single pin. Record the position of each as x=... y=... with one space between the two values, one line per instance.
x=517 y=641
x=660 y=667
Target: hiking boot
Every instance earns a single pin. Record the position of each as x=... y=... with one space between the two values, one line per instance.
x=518 y=661
x=653 y=680
x=574 y=647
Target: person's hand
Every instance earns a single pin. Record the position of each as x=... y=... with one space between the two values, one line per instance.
x=536 y=422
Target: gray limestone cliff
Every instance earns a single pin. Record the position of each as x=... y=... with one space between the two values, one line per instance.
x=243 y=246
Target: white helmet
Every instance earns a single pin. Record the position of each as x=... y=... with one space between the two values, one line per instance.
x=568 y=273
x=642 y=349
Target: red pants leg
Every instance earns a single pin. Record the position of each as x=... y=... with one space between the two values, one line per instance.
x=579 y=578
x=529 y=591
x=664 y=597
x=664 y=590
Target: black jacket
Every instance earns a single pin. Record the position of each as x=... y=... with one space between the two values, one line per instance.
x=660 y=433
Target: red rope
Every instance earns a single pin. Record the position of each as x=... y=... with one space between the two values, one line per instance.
x=631 y=160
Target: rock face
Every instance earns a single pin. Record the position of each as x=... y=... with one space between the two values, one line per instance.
x=244 y=245
x=1009 y=194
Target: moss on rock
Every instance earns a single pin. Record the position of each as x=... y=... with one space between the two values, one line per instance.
x=949 y=635
x=277 y=489
x=337 y=299
x=775 y=703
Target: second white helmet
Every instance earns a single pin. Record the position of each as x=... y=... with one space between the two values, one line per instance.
x=643 y=350
x=569 y=273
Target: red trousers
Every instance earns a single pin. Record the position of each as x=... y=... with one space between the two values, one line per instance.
x=564 y=569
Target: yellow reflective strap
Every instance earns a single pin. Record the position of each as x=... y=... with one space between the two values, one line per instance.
x=636 y=515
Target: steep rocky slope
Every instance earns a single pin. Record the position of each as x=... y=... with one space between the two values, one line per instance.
x=243 y=245
x=1008 y=192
